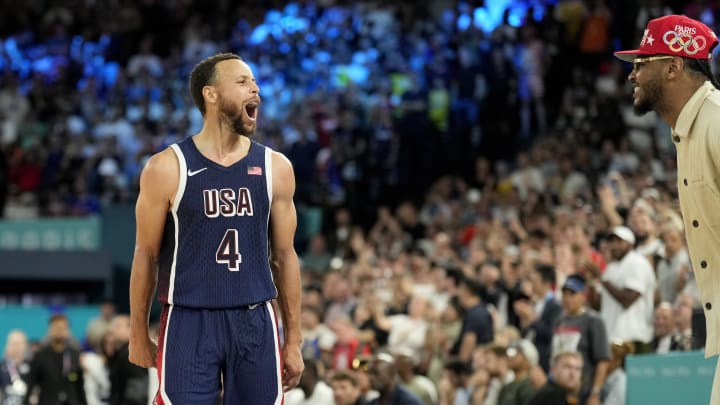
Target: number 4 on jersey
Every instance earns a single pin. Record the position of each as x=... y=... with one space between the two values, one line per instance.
x=228 y=251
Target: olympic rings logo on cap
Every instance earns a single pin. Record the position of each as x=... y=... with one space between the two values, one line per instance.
x=684 y=42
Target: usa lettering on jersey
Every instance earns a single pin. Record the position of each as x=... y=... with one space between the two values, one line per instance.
x=227 y=202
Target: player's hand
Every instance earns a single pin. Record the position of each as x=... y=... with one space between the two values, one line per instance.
x=143 y=352
x=293 y=366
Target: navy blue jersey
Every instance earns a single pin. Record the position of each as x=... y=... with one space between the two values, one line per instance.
x=214 y=252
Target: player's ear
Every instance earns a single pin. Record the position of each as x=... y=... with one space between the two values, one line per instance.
x=210 y=94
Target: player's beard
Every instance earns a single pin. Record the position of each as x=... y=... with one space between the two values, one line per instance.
x=652 y=94
x=234 y=115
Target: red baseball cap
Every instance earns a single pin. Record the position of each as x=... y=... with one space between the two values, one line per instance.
x=675 y=35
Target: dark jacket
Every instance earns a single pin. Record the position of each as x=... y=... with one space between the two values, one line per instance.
x=58 y=375
x=128 y=382
x=675 y=343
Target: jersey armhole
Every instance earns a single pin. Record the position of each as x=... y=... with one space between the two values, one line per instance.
x=182 y=179
x=269 y=174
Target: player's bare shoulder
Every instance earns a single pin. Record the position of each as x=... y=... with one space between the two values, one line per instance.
x=161 y=175
x=283 y=181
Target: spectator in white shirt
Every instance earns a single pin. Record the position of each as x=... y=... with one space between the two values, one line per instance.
x=627 y=291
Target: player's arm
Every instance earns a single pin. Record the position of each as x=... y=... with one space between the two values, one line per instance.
x=158 y=183
x=284 y=263
x=283 y=258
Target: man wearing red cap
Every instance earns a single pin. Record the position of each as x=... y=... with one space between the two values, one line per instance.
x=671 y=75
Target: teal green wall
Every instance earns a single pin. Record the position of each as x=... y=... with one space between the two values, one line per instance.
x=670 y=379
x=34 y=320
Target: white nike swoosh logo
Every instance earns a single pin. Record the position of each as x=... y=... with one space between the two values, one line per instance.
x=192 y=173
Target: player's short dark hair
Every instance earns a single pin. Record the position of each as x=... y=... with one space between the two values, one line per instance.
x=344 y=375
x=203 y=74
x=57 y=317
x=547 y=273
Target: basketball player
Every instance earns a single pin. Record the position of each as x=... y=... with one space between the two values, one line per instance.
x=215 y=228
x=671 y=75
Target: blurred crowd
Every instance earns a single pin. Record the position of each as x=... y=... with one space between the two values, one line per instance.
x=62 y=369
x=498 y=226
x=365 y=98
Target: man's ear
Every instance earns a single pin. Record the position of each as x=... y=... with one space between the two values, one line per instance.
x=675 y=66
x=210 y=94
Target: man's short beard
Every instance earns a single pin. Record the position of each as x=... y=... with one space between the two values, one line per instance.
x=642 y=109
x=230 y=112
x=653 y=93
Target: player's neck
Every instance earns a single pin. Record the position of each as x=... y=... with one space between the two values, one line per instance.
x=220 y=144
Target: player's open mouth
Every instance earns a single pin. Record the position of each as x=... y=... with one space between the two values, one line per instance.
x=251 y=109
